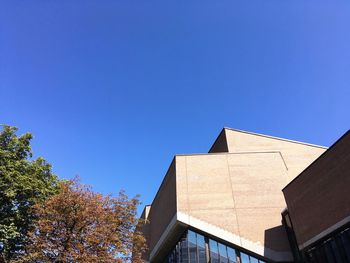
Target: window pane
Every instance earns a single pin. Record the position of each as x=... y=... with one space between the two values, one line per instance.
x=178 y=253
x=184 y=250
x=192 y=245
x=244 y=258
x=231 y=255
x=200 y=241
x=223 y=253
x=214 y=253
x=329 y=254
x=321 y=255
x=346 y=244
x=201 y=249
x=191 y=237
x=311 y=256
x=192 y=248
x=336 y=252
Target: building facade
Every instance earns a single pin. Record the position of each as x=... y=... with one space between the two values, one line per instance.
x=318 y=207
x=226 y=205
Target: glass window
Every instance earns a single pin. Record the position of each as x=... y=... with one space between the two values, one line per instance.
x=311 y=256
x=184 y=250
x=201 y=249
x=192 y=246
x=192 y=237
x=231 y=255
x=223 y=253
x=244 y=258
x=336 y=253
x=329 y=253
x=346 y=244
x=320 y=256
x=214 y=252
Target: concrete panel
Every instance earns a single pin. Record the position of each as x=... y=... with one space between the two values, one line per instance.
x=296 y=155
x=221 y=187
x=257 y=179
x=208 y=182
x=181 y=184
x=225 y=219
x=253 y=223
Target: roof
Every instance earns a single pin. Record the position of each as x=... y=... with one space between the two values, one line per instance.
x=275 y=138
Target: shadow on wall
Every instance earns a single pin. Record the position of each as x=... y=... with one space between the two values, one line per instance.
x=276 y=239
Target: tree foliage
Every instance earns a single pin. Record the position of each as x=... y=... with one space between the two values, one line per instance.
x=79 y=225
x=23 y=183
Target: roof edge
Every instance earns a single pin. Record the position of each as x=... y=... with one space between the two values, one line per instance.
x=318 y=158
x=276 y=138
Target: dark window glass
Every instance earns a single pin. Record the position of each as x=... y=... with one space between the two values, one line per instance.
x=192 y=237
x=184 y=251
x=329 y=253
x=214 y=252
x=231 y=255
x=223 y=253
x=335 y=251
x=192 y=248
x=311 y=256
x=320 y=255
x=178 y=258
x=201 y=249
x=346 y=244
x=340 y=247
x=192 y=245
x=244 y=258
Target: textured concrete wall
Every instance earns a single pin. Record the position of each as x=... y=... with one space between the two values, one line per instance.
x=297 y=156
x=319 y=197
x=239 y=193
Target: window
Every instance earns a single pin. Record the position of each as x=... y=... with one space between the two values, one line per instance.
x=194 y=248
x=244 y=258
x=214 y=252
x=334 y=248
x=223 y=253
x=231 y=255
x=192 y=245
x=201 y=249
x=184 y=250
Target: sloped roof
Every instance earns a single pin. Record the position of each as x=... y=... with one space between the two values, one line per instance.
x=222 y=139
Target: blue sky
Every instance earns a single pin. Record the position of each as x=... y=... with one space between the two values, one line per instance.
x=112 y=90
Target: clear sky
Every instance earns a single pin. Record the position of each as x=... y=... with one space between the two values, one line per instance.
x=112 y=90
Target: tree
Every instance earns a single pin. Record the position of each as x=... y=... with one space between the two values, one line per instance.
x=23 y=183
x=79 y=225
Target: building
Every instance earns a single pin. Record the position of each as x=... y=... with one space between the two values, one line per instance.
x=318 y=207
x=226 y=205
